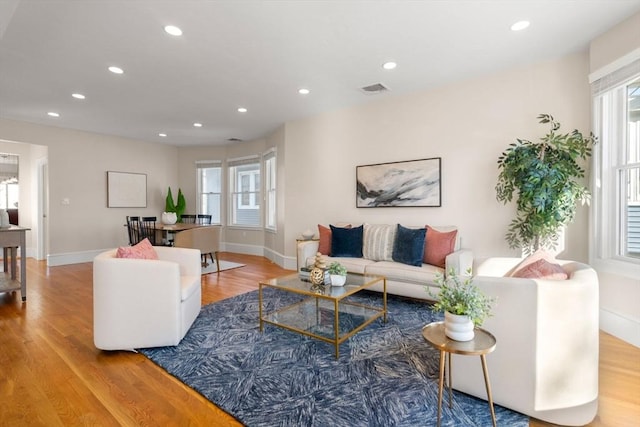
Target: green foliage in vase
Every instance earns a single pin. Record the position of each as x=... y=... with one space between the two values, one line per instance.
x=181 y=205
x=461 y=296
x=337 y=268
x=543 y=176
x=169 y=206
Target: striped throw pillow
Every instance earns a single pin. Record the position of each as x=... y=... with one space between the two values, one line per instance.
x=378 y=242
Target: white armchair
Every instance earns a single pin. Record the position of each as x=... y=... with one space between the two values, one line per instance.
x=140 y=303
x=546 y=359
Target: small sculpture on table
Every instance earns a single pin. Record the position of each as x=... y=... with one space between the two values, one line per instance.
x=316 y=275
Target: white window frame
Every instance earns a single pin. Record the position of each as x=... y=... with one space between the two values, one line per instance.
x=235 y=192
x=202 y=165
x=269 y=160
x=608 y=231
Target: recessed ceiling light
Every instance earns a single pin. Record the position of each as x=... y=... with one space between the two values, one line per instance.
x=78 y=95
x=164 y=135
x=198 y=125
x=389 y=65
x=242 y=110
x=173 y=30
x=303 y=91
x=53 y=114
x=520 y=25
x=116 y=70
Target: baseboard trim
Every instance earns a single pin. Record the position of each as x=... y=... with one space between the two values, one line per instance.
x=621 y=327
x=288 y=263
x=72 y=258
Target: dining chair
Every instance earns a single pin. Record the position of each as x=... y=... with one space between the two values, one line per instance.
x=133 y=228
x=148 y=228
x=206 y=239
x=188 y=219
x=204 y=219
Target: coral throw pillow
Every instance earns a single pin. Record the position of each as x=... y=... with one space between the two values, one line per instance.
x=542 y=269
x=324 y=246
x=142 y=250
x=437 y=245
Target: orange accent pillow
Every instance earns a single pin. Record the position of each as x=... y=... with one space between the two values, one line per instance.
x=542 y=269
x=324 y=247
x=437 y=245
x=142 y=250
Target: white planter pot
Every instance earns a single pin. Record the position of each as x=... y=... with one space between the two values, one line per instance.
x=458 y=327
x=338 y=280
x=169 y=218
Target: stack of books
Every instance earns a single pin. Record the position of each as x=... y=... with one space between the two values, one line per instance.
x=305 y=272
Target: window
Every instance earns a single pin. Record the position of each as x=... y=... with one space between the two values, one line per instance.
x=616 y=172
x=270 y=190
x=244 y=185
x=209 y=189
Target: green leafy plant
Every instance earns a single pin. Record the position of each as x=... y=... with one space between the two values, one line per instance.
x=171 y=206
x=461 y=296
x=337 y=268
x=543 y=176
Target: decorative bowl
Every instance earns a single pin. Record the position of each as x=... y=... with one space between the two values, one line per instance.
x=307 y=234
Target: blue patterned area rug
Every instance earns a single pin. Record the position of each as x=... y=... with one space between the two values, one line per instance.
x=387 y=375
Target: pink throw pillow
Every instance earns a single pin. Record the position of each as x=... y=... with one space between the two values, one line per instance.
x=542 y=269
x=437 y=245
x=534 y=257
x=142 y=250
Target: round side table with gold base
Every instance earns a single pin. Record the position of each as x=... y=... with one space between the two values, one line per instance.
x=482 y=344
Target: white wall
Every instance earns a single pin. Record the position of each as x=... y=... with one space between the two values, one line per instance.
x=468 y=124
x=78 y=162
x=619 y=293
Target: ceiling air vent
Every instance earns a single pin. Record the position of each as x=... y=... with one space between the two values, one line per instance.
x=374 y=88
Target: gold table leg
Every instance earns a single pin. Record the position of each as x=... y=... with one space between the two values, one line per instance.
x=443 y=355
x=485 y=371
x=450 y=377
x=336 y=330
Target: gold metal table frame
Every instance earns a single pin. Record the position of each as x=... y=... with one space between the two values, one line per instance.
x=482 y=344
x=305 y=316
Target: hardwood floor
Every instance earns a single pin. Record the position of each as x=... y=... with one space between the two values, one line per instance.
x=52 y=375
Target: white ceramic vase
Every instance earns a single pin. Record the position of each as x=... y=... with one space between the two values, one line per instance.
x=169 y=218
x=338 y=280
x=458 y=327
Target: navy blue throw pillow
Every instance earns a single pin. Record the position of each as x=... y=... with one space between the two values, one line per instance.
x=346 y=242
x=408 y=247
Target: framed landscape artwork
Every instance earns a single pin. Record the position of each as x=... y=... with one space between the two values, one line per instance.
x=414 y=183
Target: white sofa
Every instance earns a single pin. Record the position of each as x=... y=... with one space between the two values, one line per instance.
x=546 y=359
x=402 y=279
x=140 y=303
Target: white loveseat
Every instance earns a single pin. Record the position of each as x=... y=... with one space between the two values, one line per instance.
x=546 y=359
x=140 y=303
x=402 y=279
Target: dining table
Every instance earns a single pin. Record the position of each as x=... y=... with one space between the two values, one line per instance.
x=164 y=231
x=12 y=238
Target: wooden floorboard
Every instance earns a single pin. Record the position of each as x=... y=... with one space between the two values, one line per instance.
x=51 y=374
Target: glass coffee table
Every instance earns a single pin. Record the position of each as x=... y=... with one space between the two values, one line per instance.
x=324 y=312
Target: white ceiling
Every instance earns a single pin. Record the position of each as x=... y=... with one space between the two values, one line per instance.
x=257 y=54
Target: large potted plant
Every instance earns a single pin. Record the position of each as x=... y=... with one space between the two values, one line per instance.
x=544 y=178
x=463 y=303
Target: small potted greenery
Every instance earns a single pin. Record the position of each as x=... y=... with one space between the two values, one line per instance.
x=463 y=303
x=337 y=273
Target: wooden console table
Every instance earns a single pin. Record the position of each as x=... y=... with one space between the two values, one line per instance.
x=10 y=239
